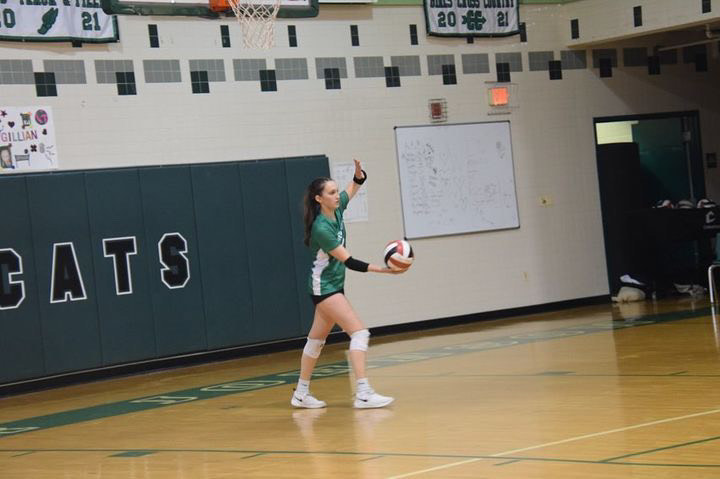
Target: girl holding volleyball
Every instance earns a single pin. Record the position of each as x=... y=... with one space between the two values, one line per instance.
x=325 y=236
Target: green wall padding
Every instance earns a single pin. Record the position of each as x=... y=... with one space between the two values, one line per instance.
x=242 y=226
x=223 y=249
x=126 y=321
x=21 y=347
x=58 y=210
x=167 y=198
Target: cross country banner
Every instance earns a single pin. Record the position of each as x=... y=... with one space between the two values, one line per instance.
x=56 y=21
x=472 y=18
x=27 y=139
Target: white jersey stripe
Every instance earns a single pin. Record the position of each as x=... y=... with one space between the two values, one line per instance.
x=322 y=260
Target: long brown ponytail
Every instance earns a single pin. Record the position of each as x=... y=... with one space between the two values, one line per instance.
x=312 y=207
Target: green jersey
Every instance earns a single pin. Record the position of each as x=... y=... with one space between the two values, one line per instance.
x=327 y=274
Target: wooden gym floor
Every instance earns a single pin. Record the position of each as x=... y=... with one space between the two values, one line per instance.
x=593 y=392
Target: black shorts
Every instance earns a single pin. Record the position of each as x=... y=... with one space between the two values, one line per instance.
x=317 y=299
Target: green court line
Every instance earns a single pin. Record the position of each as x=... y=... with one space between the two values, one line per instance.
x=26 y=425
x=674 y=446
x=372 y=454
x=507 y=462
x=133 y=454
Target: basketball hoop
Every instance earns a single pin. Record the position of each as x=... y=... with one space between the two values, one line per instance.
x=256 y=19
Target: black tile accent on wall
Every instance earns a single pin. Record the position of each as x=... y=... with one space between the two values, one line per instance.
x=605 y=67
x=503 y=72
x=392 y=77
x=523 y=32
x=555 y=69
x=705 y=5
x=354 y=36
x=45 y=84
x=449 y=76
x=471 y=40
x=637 y=16
x=574 y=28
x=225 y=36
x=76 y=44
x=292 y=36
x=153 y=35
x=413 y=35
x=701 y=63
x=653 y=63
x=199 y=81
x=267 y=80
x=332 y=79
x=126 y=83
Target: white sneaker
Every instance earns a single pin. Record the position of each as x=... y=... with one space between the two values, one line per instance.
x=371 y=399
x=306 y=400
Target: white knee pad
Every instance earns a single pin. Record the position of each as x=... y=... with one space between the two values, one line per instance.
x=359 y=340
x=313 y=347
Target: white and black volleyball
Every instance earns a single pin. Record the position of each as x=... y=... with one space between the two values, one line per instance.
x=399 y=255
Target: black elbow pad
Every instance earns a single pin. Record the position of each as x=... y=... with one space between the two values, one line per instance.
x=356 y=265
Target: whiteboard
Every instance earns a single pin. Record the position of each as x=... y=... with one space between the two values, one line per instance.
x=456 y=179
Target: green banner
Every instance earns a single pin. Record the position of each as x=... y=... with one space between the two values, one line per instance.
x=472 y=18
x=56 y=21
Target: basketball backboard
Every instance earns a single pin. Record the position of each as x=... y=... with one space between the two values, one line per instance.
x=199 y=8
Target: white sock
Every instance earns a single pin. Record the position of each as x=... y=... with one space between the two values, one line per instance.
x=363 y=386
x=303 y=387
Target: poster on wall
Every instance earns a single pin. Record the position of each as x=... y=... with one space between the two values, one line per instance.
x=472 y=18
x=357 y=209
x=27 y=139
x=56 y=21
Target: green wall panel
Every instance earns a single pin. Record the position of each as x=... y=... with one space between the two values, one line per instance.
x=300 y=172
x=167 y=199
x=58 y=209
x=126 y=320
x=223 y=249
x=21 y=348
x=270 y=248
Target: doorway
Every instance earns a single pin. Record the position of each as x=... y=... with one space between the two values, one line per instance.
x=643 y=160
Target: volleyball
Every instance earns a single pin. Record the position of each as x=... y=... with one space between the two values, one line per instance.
x=398 y=255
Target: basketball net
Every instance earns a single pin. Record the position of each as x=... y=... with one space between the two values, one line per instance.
x=257 y=21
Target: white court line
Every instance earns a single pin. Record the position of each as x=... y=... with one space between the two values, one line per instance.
x=540 y=446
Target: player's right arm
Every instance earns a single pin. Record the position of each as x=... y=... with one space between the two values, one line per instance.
x=343 y=255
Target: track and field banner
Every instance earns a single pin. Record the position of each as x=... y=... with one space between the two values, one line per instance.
x=56 y=21
x=27 y=139
x=472 y=18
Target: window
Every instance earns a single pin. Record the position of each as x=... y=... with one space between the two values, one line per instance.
x=125 y=83
x=392 y=77
x=154 y=38
x=45 y=84
x=225 y=36
x=199 y=81
x=332 y=78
